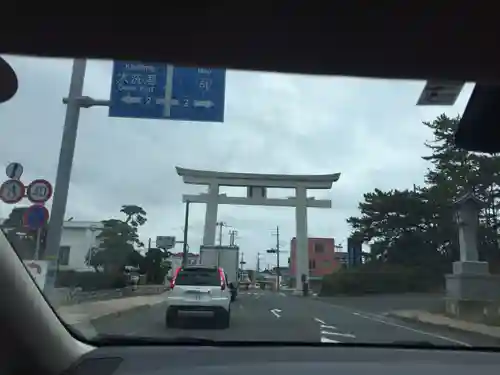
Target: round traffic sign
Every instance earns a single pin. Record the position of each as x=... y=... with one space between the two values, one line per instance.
x=12 y=191
x=36 y=216
x=39 y=191
x=14 y=170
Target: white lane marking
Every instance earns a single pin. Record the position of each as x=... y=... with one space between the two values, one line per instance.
x=338 y=334
x=276 y=312
x=328 y=327
x=282 y=294
x=319 y=321
x=327 y=340
x=444 y=338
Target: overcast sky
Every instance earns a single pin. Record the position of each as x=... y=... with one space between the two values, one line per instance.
x=368 y=130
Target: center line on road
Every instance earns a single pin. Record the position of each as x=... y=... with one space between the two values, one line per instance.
x=319 y=321
x=338 y=334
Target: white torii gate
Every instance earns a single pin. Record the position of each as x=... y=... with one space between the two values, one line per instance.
x=257 y=185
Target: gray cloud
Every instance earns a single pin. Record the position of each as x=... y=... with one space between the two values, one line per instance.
x=369 y=130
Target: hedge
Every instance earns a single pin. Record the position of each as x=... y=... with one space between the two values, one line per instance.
x=89 y=281
x=381 y=279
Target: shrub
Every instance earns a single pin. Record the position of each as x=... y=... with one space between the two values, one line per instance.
x=380 y=278
x=90 y=281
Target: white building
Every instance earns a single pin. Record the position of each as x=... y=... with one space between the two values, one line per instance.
x=76 y=239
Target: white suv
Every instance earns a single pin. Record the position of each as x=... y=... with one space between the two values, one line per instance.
x=199 y=289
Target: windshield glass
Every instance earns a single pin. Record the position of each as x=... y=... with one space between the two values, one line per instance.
x=337 y=209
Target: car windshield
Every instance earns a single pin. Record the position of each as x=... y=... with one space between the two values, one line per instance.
x=338 y=209
x=198 y=276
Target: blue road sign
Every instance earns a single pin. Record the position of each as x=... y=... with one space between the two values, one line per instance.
x=354 y=252
x=158 y=91
x=36 y=216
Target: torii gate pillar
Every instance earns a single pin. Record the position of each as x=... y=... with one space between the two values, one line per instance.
x=211 y=214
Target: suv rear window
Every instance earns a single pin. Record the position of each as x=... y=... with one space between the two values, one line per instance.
x=198 y=276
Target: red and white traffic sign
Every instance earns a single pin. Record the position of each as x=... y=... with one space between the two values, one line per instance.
x=12 y=191
x=39 y=191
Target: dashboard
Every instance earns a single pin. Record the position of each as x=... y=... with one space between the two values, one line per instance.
x=177 y=360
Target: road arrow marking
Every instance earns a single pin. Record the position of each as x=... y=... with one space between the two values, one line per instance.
x=338 y=334
x=127 y=99
x=319 y=321
x=162 y=101
x=329 y=341
x=328 y=327
x=175 y=102
x=203 y=103
x=276 y=312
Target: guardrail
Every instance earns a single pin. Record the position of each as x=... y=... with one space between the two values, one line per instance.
x=72 y=296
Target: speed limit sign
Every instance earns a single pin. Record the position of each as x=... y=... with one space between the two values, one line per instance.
x=39 y=191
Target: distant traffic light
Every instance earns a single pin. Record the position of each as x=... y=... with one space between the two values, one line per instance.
x=271 y=251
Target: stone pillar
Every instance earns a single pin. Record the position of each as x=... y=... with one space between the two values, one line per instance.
x=211 y=214
x=467 y=216
x=302 y=249
x=471 y=292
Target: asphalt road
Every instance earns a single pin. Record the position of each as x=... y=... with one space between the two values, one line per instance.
x=268 y=316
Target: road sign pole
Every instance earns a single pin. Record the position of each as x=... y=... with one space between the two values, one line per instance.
x=37 y=245
x=64 y=167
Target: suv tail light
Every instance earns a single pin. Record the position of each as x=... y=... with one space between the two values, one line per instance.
x=172 y=282
x=222 y=279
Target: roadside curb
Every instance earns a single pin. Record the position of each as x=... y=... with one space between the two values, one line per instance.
x=119 y=313
x=475 y=328
x=128 y=310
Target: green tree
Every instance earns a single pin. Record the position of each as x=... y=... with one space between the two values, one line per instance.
x=419 y=226
x=156 y=265
x=118 y=242
x=395 y=223
x=455 y=172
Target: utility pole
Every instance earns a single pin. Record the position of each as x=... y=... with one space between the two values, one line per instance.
x=220 y=224
x=232 y=236
x=277 y=252
x=258 y=262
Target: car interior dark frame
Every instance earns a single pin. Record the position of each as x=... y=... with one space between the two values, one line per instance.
x=400 y=40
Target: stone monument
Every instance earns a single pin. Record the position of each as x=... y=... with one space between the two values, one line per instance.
x=472 y=293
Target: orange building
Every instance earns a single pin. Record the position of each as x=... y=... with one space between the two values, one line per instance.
x=322 y=258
